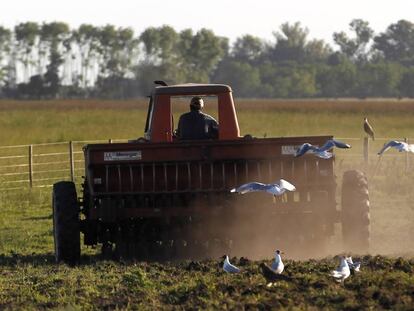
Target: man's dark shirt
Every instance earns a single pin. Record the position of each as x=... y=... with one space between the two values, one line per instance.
x=197 y=125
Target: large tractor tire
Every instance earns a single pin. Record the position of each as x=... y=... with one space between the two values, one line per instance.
x=356 y=224
x=66 y=227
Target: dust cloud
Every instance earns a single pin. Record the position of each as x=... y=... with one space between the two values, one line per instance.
x=254 y=226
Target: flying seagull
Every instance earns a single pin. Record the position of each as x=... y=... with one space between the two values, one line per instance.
x=342 y=272
x=228 y=267
x=277 y=264
x=321 y=152
x=368 y=128
x=399 y=145
x=276 y=189
x=353 y=265
x=271 y=276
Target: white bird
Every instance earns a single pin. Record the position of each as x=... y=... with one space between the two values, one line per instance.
x=277 y=264
x=342 y=272
x=228 y=267
x=276 y=189
x=353 y=265
x=321 y=152
x=399 y=145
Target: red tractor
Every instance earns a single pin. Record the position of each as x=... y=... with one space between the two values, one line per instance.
x=163 y=198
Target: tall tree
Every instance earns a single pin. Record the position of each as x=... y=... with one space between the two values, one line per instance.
x=5 y=43
x=87 y=42
x=200 y=54
x=397 y=42
x=185 y=56
x=355 y=48
x=117 y=48
x=160 y=44
x=56 y=37
x=337 y=79
x=290 y=43
x=317 y=51
x=248 y=49
x=27 y=36
x=407 y=82
x=381 y=80
x=126 y=53
x=243 y=77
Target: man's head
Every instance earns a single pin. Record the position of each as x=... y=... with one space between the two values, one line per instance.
x=196 y=103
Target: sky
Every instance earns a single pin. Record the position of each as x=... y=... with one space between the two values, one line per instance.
x=227 y=18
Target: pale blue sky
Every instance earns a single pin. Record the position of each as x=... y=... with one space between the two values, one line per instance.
x=227 y=18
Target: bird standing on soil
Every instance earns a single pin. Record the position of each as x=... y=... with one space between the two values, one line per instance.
x=277 y=265
x=228 y=267
x=276 y=189
x=399 y=145
x=342 y=272
x=321 y=152
x=368 y=128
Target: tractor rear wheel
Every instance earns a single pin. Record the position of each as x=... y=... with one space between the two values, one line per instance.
x=66 y=228
x=356 y=224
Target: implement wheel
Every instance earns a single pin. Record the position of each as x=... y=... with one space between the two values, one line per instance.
x=356 y=223
x=66 y=228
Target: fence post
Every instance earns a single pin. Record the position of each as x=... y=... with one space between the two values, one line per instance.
x=31 y=166
x=366 y=149
x=72 y=162
x=407 y=158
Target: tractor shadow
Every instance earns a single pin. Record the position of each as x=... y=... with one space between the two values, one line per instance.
x=38 y=218
x=14 y=259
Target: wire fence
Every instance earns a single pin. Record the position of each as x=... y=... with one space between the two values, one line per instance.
x=41 y=165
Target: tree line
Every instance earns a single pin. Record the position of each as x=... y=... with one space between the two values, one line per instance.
x=51 y=60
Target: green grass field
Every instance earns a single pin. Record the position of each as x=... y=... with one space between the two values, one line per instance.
x=29 y=279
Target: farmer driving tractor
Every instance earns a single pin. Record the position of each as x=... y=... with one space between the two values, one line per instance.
x=196 y=124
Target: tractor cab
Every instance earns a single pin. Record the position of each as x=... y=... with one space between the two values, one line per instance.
x=159 y=125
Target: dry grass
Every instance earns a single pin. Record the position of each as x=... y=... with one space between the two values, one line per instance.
x=302 y=105
x=25 y=122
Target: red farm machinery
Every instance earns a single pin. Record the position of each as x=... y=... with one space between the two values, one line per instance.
x=160 y=197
